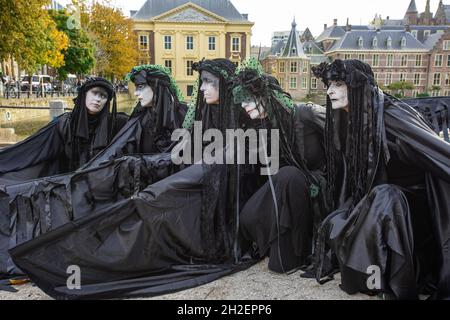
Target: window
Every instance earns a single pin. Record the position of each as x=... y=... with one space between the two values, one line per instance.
x=388 y=79
x=293 y=83
x=447 y=45
x=448 y=60
x=143 y=42
x=282 y=66
x=415 y=93
x=189 y=90
x=313 y=83
x=294 y=67
x=347 y=56
x=360 y=42
x=402 y=77
x=447 y=79
x=435 y=93
x=403 y=43
x=235 y=44
x=414 y=33
x=189 y=70
x=438 y=60
x=305 y=67
x=390 y=60
x=304 y=83
x=426 y=33
x=389 y=42
x=212 y=43
x=168 y=64
x=375 y=42
x=375 y=60
x=447 y=93
x=437 y=79
x=404 y=62
x=417 y=79
x=362 y=57
x=418 y=60
x=376 y=77
x=168 y=42
x=189 y=43
x=281 y=81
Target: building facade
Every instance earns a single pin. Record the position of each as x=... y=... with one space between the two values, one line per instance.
x=414 y=50
x=290 y=65
x=178 y=33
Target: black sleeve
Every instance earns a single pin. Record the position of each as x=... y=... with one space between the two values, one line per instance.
x=309 y=125
x=35 y=156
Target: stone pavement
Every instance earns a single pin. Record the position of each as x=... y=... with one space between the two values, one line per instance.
x=256 y=283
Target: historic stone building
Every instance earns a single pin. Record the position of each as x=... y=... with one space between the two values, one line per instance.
x=179 y=32
x=290 y=65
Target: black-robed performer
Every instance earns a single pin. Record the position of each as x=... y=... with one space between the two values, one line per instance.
x=69 y=141
x=278 y=220
x=175 y=234
x=389 y=181
x=108 y=177
x=160 y=111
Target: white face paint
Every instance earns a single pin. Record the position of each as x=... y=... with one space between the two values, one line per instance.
x=338 y=94
x=145 y=95
x=254 y=111
x=210 y=87
x=96 y=99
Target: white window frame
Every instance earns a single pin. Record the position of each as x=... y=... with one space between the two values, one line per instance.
x=291 y=83
x=189 y=43
x=146 y=46
x=212 y=44
x=167 y=42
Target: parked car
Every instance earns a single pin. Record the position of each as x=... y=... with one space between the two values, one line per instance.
x=37 y=83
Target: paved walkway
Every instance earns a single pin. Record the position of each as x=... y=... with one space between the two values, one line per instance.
x=256 y=283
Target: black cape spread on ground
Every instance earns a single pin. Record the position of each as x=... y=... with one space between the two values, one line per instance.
x=25 y=214
x=146 y=244
x=47 y=152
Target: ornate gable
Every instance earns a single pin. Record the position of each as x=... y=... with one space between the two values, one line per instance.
x=189 y=13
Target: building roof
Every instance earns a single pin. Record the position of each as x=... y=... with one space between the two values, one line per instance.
x=333 y=32
x=223 y=8
x=447 y=12
x=294 y=47
x=350 y=41
x=311 y=48
x=412 y=8
x=432 y=40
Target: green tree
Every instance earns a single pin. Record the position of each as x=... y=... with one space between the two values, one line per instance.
x=79 y=56
x=400 y=87
x=29 y=35
x=116 y=49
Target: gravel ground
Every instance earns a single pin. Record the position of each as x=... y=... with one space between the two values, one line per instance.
x=256 y=283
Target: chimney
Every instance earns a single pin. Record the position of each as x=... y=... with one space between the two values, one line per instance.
x=408 y=28
x=348 y=27
x=387 y=18
x=325 y=26
x=245 y=15
x=335 y=21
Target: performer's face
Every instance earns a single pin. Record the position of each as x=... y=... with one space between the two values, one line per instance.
x=96 y=99
x=145 y=94
x=338 y=94
x=254 y=110
x=210 y=87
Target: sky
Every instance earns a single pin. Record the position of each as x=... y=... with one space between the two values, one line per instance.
x=277 y=15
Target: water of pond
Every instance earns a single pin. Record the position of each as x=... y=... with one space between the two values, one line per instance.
x=24 y=129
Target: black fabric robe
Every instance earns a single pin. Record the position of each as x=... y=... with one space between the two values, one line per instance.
x=285 y=233
x=148 y=244
x=47 y=152
x=402 y=225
